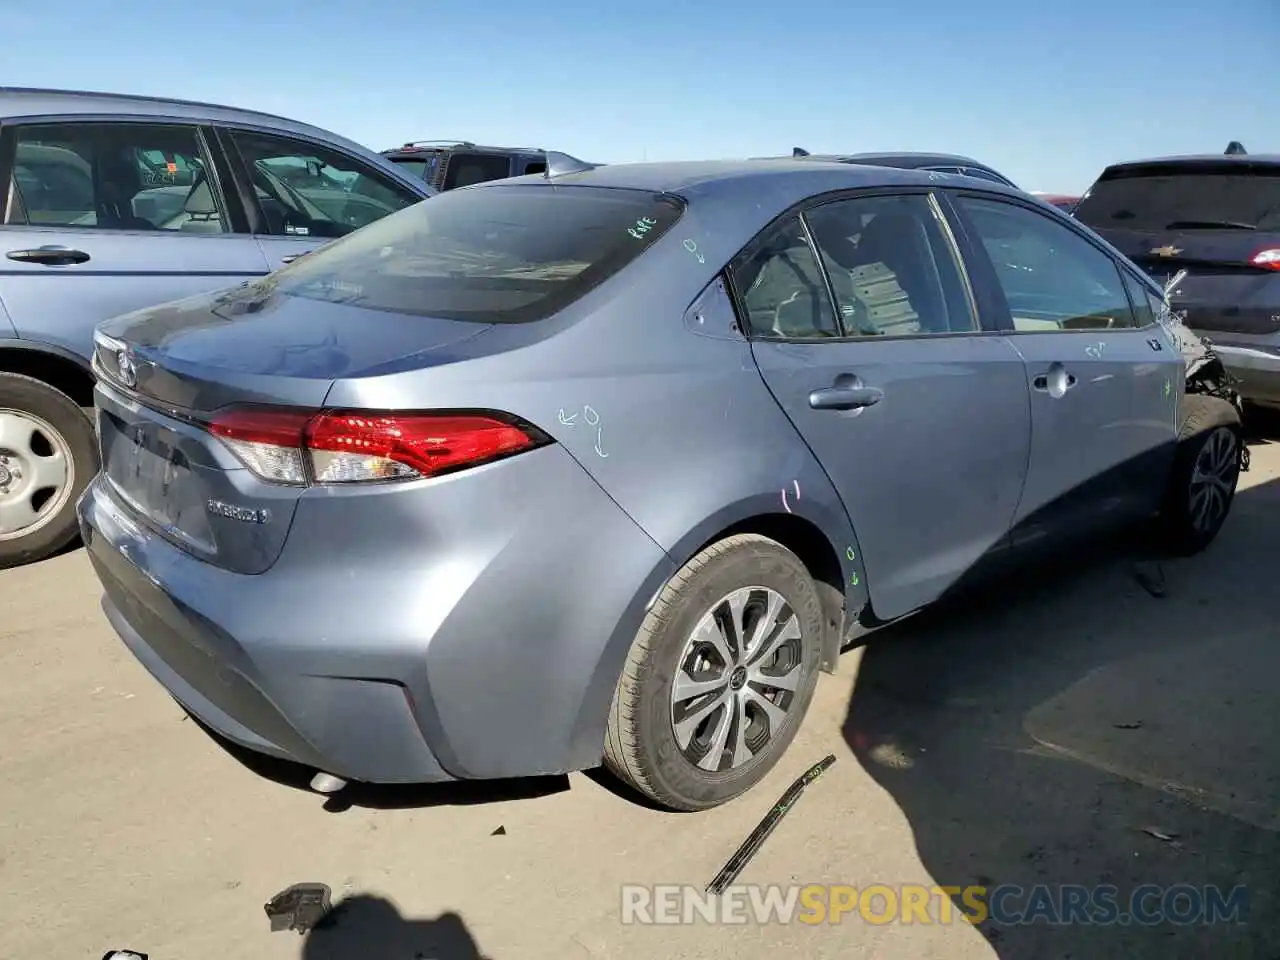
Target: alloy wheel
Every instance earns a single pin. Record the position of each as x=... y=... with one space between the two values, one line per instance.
x=1213 y=479
x=736 y=679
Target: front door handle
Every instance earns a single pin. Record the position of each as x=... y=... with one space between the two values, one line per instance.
x=49 y=256
x=845 y=398
x=1055 y=381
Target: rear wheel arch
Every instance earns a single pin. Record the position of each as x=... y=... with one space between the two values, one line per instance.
x=840 y=580
x=68 y=376
x=815 y=550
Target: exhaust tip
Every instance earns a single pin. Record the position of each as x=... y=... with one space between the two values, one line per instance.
x=327 y=783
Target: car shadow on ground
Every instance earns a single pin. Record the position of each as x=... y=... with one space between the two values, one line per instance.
x=364 y=927
x=1075 y=726
x=1262 y=424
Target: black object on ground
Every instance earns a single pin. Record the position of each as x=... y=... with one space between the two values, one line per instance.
x=1151 y=579
x=124 y=955
x=299 y=907
x=729 y=872
x=500 y=832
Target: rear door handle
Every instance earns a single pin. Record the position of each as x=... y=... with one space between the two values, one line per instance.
x=845 y=398
x=49 y=256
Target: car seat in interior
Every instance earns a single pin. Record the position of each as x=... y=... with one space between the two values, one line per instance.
x=200 y=208
x=118 y=182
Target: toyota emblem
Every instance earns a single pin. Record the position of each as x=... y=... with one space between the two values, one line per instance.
x=128 y=372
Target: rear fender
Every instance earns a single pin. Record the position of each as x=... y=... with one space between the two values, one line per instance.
x=754 y=512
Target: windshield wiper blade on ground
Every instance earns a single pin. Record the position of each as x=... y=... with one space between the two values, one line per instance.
x=1210 y=225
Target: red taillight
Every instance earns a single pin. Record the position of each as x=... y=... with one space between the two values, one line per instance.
x=362 y=446
x=285 y=446
x=1268 y=258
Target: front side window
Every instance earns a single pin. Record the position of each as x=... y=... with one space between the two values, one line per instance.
x=114 y=176
x=307 y=190
x=423 y=169
x=505 y=254
x=1143 y=300
x=1052 y=278
x=891 y=266
x=781 y=287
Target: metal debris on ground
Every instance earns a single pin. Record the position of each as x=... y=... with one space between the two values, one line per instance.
x=1136 y=725
x=729 y=872
x=1164 y=835
x=299 y=907
x=1151 y=578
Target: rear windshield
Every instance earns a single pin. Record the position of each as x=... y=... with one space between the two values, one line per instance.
x=500 y=254
x=1185 y=198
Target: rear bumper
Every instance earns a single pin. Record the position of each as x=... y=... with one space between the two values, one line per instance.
x=486 y=646
x=357 y=728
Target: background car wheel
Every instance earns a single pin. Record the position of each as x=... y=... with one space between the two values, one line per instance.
x=48 y=454
x=719 y=677
x=1205 y=474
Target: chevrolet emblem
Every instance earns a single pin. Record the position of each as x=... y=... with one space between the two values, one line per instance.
x=1169 y=251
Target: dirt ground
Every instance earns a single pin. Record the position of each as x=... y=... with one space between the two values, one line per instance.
x=1033 y=739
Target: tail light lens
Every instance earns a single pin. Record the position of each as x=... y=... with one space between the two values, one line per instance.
x=284 y=446
x=1268 y=258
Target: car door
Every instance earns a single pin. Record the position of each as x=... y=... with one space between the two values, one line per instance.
x=303 y=193
x=1104 y=388
x=107 y=217
x=864 y=329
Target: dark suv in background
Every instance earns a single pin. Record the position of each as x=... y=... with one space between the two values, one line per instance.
x=445 y=164
x=1208 y=229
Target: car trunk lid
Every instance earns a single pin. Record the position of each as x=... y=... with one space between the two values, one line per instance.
x=166 y=373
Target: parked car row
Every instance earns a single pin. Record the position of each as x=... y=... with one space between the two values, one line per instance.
x=625 y=455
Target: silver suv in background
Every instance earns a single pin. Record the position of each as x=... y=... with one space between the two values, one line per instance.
x=111 y=203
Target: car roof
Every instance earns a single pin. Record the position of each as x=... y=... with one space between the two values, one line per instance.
x=904 y=158
x=423 y=146
x=1205 y=159
x=18 y=102
x=787 y=180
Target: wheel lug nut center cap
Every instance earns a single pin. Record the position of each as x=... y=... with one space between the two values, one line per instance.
x=738 y=679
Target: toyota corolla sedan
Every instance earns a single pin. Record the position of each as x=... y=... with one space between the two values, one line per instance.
x=609 y=463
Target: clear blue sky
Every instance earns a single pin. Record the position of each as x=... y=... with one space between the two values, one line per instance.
x=1048 y=92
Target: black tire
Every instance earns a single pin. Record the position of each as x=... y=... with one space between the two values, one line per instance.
x=1211 y=432
x=36 y=399
x=641 y=747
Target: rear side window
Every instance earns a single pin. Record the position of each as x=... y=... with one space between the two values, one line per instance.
x=508 y=254
x=1212 y=196
x=113 y=176
x=467 y=168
